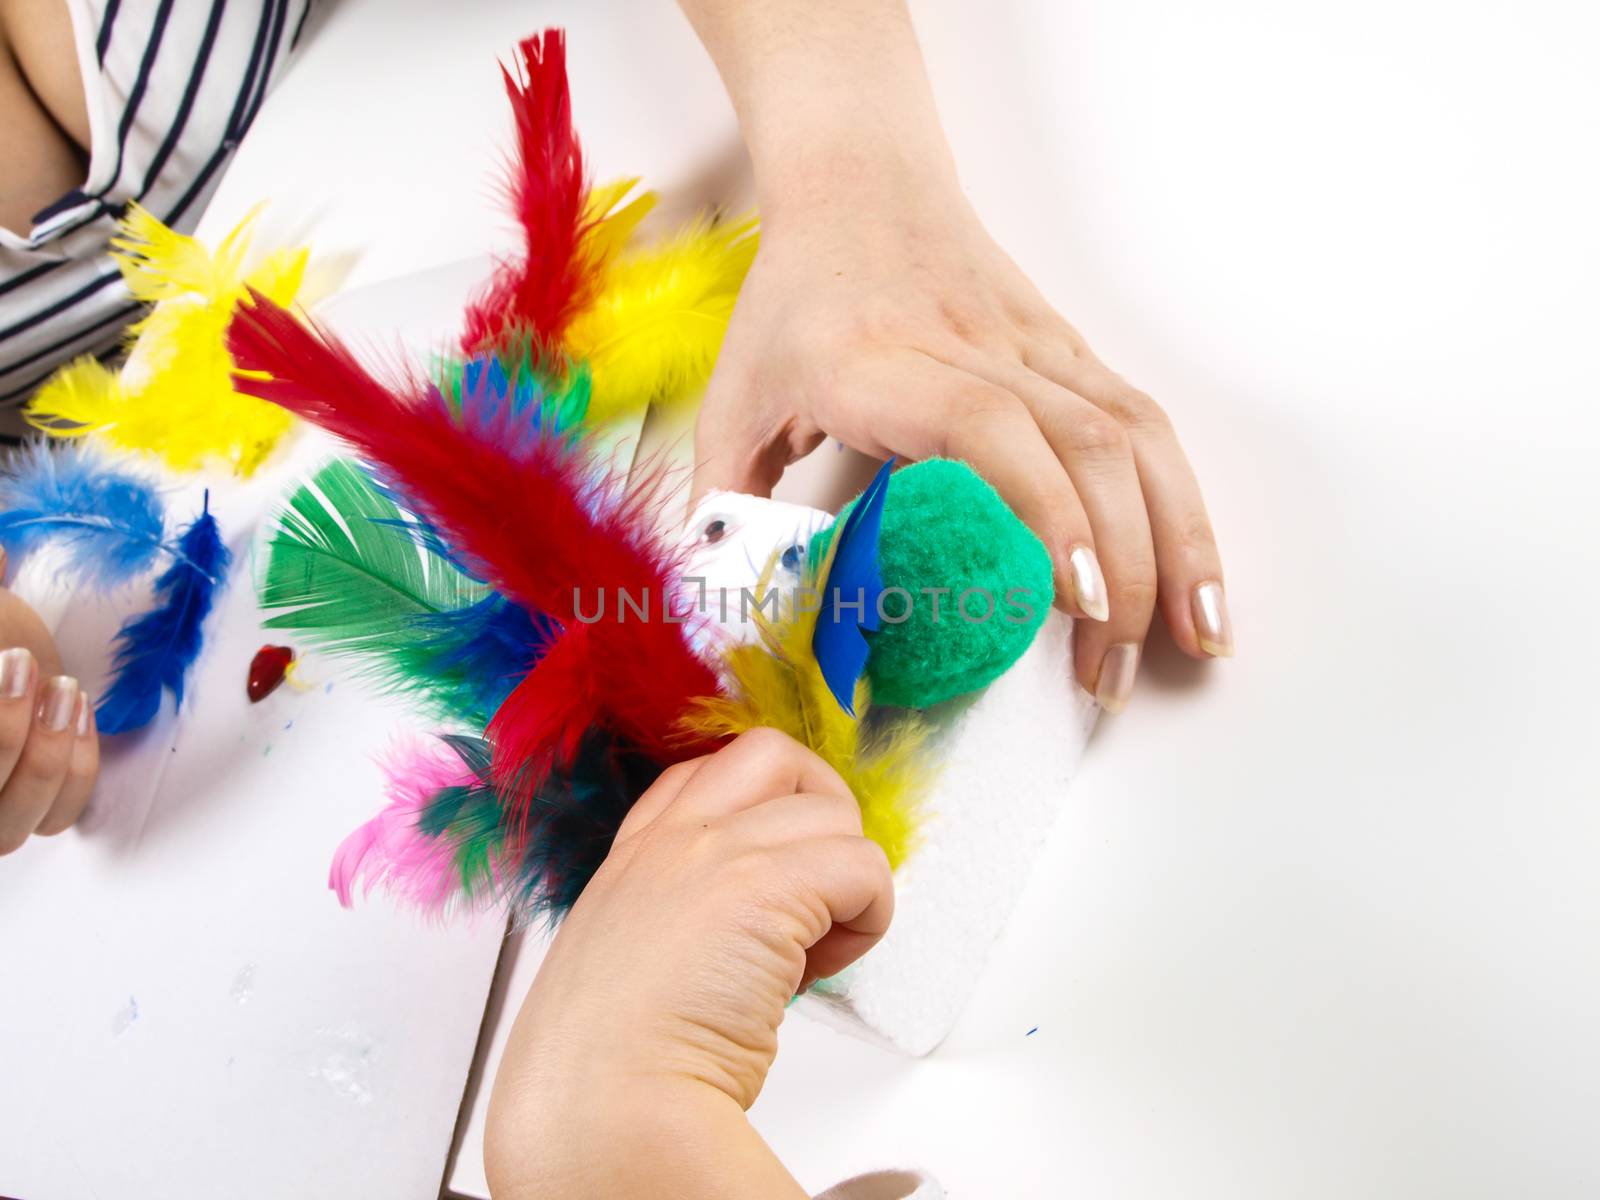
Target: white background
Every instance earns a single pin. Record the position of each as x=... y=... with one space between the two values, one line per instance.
x=1320 y=921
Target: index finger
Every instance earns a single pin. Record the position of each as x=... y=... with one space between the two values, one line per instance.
x=757 y=766
x=1188 y=565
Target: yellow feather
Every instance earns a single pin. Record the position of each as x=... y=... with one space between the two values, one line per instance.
x=175 y=398
x=779 y=684
x=610 y=227
x=655 y=329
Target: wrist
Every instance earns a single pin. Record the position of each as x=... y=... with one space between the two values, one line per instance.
x=833 y=170
x=628 y=1140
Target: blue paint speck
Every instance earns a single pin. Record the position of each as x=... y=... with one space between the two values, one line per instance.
x=289 y=726
x=327 y=689
x=1031 y=1032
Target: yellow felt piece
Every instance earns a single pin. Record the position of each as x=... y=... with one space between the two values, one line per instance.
x=654 y=331
x=779 y=684
x=175 y=399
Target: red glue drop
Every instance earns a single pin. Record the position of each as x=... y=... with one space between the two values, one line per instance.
x=267 y=670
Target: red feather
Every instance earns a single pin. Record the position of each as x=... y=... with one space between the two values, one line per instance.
x=541 y=522
x=553 y=279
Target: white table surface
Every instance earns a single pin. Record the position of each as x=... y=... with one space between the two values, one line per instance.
x=1320 y=921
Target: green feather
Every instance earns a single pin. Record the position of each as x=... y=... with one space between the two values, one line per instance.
x=356 y=583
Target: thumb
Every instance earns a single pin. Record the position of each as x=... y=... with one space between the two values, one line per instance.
x=740 y=450
x=730 y=454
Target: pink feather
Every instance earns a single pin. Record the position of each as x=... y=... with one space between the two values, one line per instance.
x=389 y=851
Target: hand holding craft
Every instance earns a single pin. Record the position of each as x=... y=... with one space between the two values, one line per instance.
x=880 y=312
x=49 y=754
x=737 y=879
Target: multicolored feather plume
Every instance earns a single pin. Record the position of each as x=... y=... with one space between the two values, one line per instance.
x=533 y=517
x=175 y=399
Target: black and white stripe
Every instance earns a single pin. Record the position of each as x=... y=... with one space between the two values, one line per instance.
x=172 y=89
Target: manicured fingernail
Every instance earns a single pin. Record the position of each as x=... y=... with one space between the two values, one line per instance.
x=1088 y=584
x=1211 y=624
x=1117 y=669
x=58 y=701
x=16 y=673
x=85 y=706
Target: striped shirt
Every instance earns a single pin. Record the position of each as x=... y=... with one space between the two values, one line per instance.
x=171 y=90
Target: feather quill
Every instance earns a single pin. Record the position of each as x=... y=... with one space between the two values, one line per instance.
x=155 y=651
x=534 y=517
x=175 y=398
x=653 y=331
x=110 y=521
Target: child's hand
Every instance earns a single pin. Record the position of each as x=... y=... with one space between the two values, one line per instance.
x=49 y=754
x=736 y=880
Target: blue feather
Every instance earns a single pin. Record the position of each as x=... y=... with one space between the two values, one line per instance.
x=156 y=650
x=483 y=650
x=851 y=593
x=109 y=521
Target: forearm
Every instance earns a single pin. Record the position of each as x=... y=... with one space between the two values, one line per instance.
x=630 y=1142
x=830 y=94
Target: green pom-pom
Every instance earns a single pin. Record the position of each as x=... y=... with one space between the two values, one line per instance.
x=945 y=528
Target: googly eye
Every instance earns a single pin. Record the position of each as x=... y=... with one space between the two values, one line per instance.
x=715 y=530
x=792 y=557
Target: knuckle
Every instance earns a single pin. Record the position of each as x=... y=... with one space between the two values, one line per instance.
x=1099 y=437
x=1195 y=535
x=842 y=807
x=42 y=763
x=1136 y=594
x=1135 y=410
x=972 y=323
x=767 y=742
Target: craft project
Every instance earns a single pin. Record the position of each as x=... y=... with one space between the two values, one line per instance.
x=994 y=763
x=478 y=555
x=175 y=400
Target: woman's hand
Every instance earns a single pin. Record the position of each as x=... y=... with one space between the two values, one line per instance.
x=737 y=880
x=880 y=312
x=49 y=754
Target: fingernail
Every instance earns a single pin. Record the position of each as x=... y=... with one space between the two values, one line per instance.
x=1211 y=624
x=58 y=700
x=1088 y=584
x=1117 y=669
x=85 y=707
x=16 y=673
